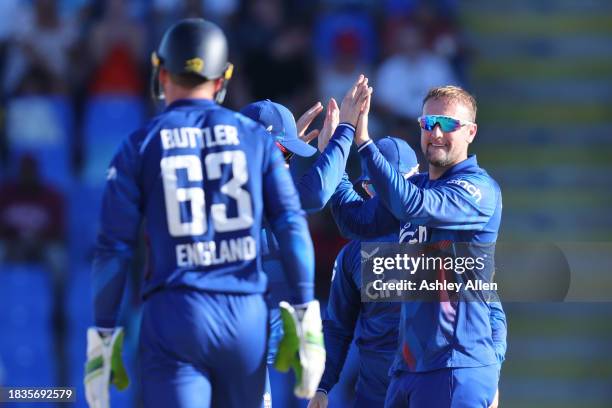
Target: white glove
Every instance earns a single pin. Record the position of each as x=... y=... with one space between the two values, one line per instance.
x=302 y=346
x=319 y=400
x=104 y=366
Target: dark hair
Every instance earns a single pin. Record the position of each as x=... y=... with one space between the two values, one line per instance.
x=188 y=80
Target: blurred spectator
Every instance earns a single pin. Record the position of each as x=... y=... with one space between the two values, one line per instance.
x=164 y=13
x=38 y=56
x=345 y=45
x=219 y=10
x=349 y=3
x=336 y=24
x=31 y=216
x=443 y=8
x=437 y=25
x=274 y=55
x=404 y=78
x=337 y=73
x=168 y=11
x=10 y=15
x=118 y=51
x=32 y=231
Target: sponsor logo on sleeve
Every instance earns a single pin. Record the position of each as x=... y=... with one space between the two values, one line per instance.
x=469 y=187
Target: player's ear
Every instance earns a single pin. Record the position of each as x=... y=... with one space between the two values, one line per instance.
x=164 y=76
x=472 y=129
x=218 y=84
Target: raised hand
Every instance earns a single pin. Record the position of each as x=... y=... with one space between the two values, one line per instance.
x=332 y=118
x=353 y=101
x=361 y=132
x=305 y=121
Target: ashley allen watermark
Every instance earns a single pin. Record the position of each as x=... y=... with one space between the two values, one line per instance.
x=428 y=272
x=381 y=285
x=506 y=271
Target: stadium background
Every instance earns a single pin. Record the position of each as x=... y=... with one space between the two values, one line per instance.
x=74 y=81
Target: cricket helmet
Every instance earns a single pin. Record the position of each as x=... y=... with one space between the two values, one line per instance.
x=193 y=46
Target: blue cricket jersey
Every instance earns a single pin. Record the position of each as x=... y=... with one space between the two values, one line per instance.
x=315 y=187
x=375 y=325
x=464 y=205
x=202 y=177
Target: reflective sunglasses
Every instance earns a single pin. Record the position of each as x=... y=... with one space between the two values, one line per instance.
x=287 y=154
x=447 y=123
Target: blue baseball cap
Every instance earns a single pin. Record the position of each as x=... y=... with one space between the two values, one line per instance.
x=279 y=121
x=398 y=153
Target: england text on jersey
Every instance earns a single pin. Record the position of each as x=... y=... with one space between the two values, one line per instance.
x=207 y=253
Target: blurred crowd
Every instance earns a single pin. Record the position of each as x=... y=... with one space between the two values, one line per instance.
x=74 y=81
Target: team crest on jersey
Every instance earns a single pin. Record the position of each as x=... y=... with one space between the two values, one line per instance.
x=413 y=234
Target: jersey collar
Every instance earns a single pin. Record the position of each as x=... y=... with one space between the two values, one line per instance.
x=468 y=164
x=202 y=103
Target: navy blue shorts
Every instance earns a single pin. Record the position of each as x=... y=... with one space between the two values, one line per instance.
x=203 y=349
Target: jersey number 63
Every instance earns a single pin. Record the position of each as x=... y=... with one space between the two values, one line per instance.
x=174 y=195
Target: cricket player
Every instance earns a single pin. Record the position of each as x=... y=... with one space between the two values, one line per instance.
x=202 y=178
x=315 y=187
x=440 y=343
x=375 y=324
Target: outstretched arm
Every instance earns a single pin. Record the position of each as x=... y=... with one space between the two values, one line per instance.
x=317 y=185
x=120 y=221
x=288 y=223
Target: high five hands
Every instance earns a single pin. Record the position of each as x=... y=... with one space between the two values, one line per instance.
x=353 y=110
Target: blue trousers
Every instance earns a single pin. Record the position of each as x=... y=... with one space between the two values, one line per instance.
x=276 y=333
x=203 y=349
x=444 y=388
x=373 y=379
x=366 y=401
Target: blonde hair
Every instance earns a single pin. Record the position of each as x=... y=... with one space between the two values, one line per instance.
x=455 y=94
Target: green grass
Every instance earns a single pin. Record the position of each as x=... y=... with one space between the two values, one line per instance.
x=535 y=234
x=507 y=401
x=556 y=199
x=534 y=157
x=543 y=325
x=552 y=113
x=537 y=24
x=543 y=69
x=553 y=369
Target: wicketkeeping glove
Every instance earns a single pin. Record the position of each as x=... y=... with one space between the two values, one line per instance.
x=302 y=346
x=104 y=366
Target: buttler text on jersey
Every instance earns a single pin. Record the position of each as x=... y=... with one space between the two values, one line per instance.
x=192 y=137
